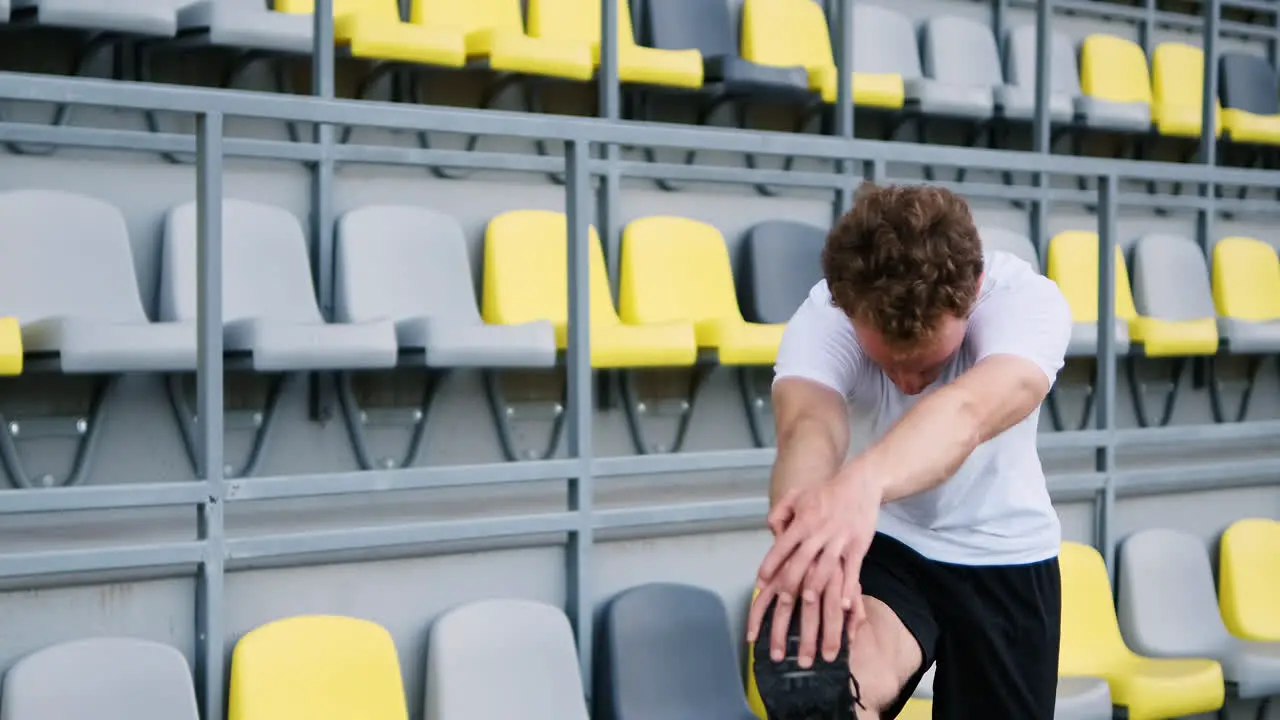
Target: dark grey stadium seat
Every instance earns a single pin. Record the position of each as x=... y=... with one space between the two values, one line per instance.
x=706 y=26
x=666 y=651
x=1247 y=82
x=779 y=262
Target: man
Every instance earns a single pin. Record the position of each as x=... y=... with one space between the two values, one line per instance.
x=938 y=542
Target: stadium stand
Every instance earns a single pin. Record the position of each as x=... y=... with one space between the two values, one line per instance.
x=318 y=667
x=113 y=678
x=1249 y=579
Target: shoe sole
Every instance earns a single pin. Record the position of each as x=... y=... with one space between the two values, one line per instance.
x=790 y=692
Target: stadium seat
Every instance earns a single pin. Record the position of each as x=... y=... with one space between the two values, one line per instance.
x=1251 y=108
x=666 y=651
x=68 y=277
x=270 y=315
x=10 y=346
x=495 y=35
x=961 y=66
x=1115 y=85
x=1018 y=97
x=578 y=22
x=1014 y=243
x=525 y=276
x=916 y=709
x=1249 y=579
x=885 y=57
x=129 y=17
x=1171 y=295
x=780 y=261
x=1092 y=646
x=471 y=674
x=410 y=265
x=677 y=270
x=1246 y=292
x=706 y=26
x=1073 y=263
x=373 y=30
x=247 y=24
x=316 y=667
x=1168 y=607
x=787 y=34
x=110 y=678
x=1177 y=89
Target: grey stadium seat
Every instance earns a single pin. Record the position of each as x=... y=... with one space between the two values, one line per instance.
x=269 y=307
x=779 y=263
x=1248 y=82
x=410 y=265
x=1171 y=279
x=156 y=18
x=961 y=66
x=102 y=678
x=1078 y=698
x=1018 y=98
x=1014 y=243
x=1167 y=606
x=503 y=659
x=248 y=24
x=706 y=26
x=666 y=651
x=68 y=276
x=884 y=42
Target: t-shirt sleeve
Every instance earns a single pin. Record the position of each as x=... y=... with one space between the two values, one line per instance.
x=1028 y=318
x=819 y=344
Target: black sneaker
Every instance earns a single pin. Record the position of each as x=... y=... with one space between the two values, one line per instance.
x=823 y=691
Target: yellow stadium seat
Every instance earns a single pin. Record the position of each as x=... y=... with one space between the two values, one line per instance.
x=1072 y=262
x=1246 y=279
x=1249 y=579
x=678 y=270
x=578 y=22
x=794 y=33
x=1092 y=646
x=372 y=29
x=1115 y=83
x=526 y=279
x=494 y=32
x=10 y=346
x=316 y=667
x=916 y=709
x=1177 y=88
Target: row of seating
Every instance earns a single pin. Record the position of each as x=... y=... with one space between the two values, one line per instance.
x=667 y=650
x=948 y=66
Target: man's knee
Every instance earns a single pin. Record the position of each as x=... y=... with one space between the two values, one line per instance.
x=883 y=658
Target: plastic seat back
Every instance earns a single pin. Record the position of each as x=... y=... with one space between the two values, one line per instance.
x=1249 y=579
x=961 y=52
x=526 y=271
x=1171 y=279
x=884 y=42
x=675 y=269
x=1014 y=243
x=65 y=255
x=1246 y=279
x=266 y=270
x=104 y=678
x=401 y=262
x=498 y=659
x=1166 y=600
x=469 y=16
x=781 y=261
x=667 y=651
x=1177 y=87
x=1020 y=61
x=576 y=21
x=702 y=25
x=316 y=667
x=1073 y=264
x=1114 y=69
x=1248 y=82
x=786 y=33
x=1091 y=640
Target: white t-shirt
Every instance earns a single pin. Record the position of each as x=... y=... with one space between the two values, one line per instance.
x=995 y=510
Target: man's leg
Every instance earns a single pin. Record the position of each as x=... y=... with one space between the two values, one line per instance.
x=874 y=677
x=998 y=651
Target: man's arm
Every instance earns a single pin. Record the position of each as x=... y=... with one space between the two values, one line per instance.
x=813 y=435
x=932 y=440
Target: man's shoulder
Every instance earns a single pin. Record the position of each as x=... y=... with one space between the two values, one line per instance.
x=1011 y=284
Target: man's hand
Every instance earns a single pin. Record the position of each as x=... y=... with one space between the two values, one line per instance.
x=822 y=534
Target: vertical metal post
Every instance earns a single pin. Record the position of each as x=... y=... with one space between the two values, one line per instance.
x=842 y=16
x=1043 y=128
x=1208 y=154
x=578 y=357
x=608 y=200
x=1105 y=383
x=1147 y=28
x=999 y=15
x=323 y=86
x=210 y=598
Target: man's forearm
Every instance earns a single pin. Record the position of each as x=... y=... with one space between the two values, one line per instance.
x=806 y=456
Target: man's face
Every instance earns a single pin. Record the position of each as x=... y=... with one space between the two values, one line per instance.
x=914 y=368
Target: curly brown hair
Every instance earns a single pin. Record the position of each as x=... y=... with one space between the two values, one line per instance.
x=902 y=258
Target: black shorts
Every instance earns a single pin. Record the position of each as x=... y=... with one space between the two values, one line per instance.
x=993 y=630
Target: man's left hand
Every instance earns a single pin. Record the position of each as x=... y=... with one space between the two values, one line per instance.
x=817 y=558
